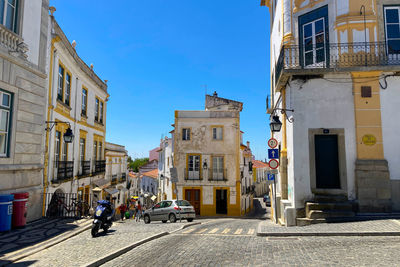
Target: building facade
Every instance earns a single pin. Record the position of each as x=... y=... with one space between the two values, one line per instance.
x=116 y=172
x=334 y=73
x=260 y=177
x=149 y=188
x=207 y=157
x=23 y=89
x=77 y=100
x=246 y=177
x=165 y=163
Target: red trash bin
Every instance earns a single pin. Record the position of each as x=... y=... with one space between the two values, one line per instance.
x=19 y=209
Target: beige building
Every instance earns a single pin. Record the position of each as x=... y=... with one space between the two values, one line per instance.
x=23 y=89
x=77 y=100
x=207 y=145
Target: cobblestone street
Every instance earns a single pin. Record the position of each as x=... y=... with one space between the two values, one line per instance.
x=82 y=249
x=231 y=242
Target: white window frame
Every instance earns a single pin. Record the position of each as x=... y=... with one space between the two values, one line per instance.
x=186 y=134
x=84 y=102
x=386 y=23
x=67 y=91
x=7 y=110
x=60 y=84
x=101 y=111
x=96 y=109
x=218 y=168
x=314 y=43
x=218 y=133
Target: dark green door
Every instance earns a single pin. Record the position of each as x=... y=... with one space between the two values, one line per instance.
x=327 y=161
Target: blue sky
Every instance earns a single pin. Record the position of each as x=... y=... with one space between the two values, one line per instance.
x=158 y=55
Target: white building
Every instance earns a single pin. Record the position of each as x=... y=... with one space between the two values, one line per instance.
x=246 y=174
x=116 y=172
x=260 y=177
x=335 y=72
x=77 y=99
x=23 y=90
x=165 y=162
x=149 y=188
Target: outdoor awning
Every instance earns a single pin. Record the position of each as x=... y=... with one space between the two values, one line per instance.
x=153 y=198
x=96 y=189
x=101 y=183
x=112 y=191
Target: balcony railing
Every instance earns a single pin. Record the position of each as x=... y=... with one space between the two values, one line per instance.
x=217 y=175
x=192 y=175
x=84 y=168
x=335 y=56
x=99 y=166
x=12 y=41
x=63 y=170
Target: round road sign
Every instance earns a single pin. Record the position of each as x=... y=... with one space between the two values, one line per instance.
x=272 y=143
x=273 y=164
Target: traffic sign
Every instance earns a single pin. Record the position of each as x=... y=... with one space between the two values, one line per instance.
x=174 y=175
x=271 y=177
x=273 y=153
x=273 y=164
x=272 y=172
x=272 y=142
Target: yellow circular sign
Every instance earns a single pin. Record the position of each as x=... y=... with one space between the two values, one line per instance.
x=369 y=140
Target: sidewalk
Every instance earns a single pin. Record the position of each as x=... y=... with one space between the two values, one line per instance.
x=37 y=236
x=84 y=250
x=377 y=227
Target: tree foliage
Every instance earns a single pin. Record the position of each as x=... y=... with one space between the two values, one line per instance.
x=137 y=163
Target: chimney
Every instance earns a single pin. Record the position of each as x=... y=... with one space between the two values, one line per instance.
x=215 y=94
x=248 y=144
x=52 y=10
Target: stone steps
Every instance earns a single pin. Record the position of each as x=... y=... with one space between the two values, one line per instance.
x=323 y=214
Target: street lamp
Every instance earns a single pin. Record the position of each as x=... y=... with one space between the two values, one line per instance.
x=275 y=124
x=205 y=165
x=68 y=135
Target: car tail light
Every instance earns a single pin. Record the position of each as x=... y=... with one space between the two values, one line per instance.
x=177 y=208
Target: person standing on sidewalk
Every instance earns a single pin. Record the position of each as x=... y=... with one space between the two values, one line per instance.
x=138 y=212
x=122 y=210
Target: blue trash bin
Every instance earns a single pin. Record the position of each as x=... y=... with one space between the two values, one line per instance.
x=6 y=204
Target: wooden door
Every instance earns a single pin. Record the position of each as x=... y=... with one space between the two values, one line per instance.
x=193 y=196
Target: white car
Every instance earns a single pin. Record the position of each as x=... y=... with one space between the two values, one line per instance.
x=170 y=210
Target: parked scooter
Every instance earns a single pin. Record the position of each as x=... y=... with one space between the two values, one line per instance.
x=102 y=217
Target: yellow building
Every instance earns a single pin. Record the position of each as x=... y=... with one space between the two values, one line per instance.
x=335 y=68
x=77 y=103
x=207 y=157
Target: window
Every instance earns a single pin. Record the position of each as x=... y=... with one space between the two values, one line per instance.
x=5 y=115
x=217 y=133
x=193 y=167
x=57 y=146
x=313 y=32
x=392 y=29
x=218 y=168
x=100 y=151
x=65 y=151
x=60 y=87
x=8 y=14
x=101 y=112
x=84 y=102
x=186 y=134
x=82 y=142
x=95 y=150
x=96 y=110
x=67 y=92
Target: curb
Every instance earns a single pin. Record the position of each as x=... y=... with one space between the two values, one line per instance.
x=28 y=251
x=329 y=234
x=125 y=249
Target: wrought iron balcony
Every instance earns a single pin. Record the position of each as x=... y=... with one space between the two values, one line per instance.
x=297 y=59
x=63 y=170
x=217 y=175
x=99 y=166
x=84 y=168
x=192 y=175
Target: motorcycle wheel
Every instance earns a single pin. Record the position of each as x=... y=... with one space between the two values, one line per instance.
x=95 y=229
x=105 y=229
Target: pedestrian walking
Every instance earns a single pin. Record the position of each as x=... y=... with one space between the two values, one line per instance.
x=122 y=210
x=138 y=211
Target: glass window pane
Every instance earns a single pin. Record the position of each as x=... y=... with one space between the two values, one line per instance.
x=320 y=55
x=319 y=26
x=393 y=31
x=392 y=16
x=4 y=121
x=6 y=100
x=2 y=11
x=309 y=58
x=3 y=138
x=394 y=46
x=11 y=2
x=307 y=30
x=320 y=40
x=308 y=44
x=10 y=17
